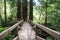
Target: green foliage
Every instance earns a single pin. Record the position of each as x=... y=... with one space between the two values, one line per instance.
x=2 y=28
x=53 y=13
x=52 y=10
x=11 y=6
x=9 y=37
x=50 y=38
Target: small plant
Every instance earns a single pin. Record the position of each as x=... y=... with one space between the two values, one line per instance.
x=2 y=28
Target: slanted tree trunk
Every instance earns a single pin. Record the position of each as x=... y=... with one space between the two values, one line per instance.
x=24 y=9
x=19 y=10
x=5 y=12
x=31 y=10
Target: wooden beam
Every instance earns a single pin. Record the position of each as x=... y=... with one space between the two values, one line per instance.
x=48 y=30
x=4 y=33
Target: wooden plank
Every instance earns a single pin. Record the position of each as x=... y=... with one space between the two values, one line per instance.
x=16 y=38
x=48 y=30
x=4 y=33
x=26 y=33
x=39 y=38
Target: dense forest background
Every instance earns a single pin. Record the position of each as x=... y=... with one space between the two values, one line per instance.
x=45 y=12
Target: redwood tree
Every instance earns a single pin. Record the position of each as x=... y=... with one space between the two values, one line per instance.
x=46 y=15
x=31 y=10
x=19 y=10
x=24 y=9
x=5 y=12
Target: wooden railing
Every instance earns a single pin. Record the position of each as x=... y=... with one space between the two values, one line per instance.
x=48 y=30
x=6 y=32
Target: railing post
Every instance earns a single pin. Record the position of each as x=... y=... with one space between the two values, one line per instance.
x=15 y=31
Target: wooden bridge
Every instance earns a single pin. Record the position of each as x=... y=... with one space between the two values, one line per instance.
x=31 y=24
x=20 y=26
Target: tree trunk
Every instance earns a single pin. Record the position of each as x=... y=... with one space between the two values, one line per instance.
x=46 y=15
x=5 y=12
x=19 y=10
x=24 y=9
x=31 y=10
x=0 y=20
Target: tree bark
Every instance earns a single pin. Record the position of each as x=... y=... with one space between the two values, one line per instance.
x=31 y=10
x=5 y=12
x=19 y=10
x=46 y=15
x=0 y=20
x=24 y=9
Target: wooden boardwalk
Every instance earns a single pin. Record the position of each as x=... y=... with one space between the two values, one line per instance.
x=27 y=33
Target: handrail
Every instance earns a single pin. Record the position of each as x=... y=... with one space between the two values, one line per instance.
x=48 y=30
x=4 y=33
